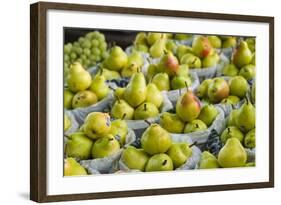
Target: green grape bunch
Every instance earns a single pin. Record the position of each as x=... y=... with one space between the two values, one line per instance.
x=88 y=50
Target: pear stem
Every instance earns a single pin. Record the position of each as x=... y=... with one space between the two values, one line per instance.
x=101 y=71
x=194 y=61
x=144 y=107
x=124 y=115
x=111 y=88
x=194 y=143
x=196 y=125
x=164 y=162
x=228 y=130
x=118 y=99
x=186 y=85
x=149 y=123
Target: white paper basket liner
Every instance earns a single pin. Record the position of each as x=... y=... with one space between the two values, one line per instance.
x=251 y=155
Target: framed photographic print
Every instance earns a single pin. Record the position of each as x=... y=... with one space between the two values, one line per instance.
x=134 y=102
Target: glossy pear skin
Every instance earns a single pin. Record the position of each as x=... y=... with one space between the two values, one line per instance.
x=84 y=98
x=145 y=111
x=218 y=90
x=119 y=129
x=208 y=161
x=179 y=153
x=117 y=59
x=162 y=81
x=73 y=168
x=99 y=87
x=238 y=86
x=242 y=55
x=153 y=95
x=134 y=158
x=67 y=99
x=201 y=46
x=169 y=64
x=208 y=114
x=121 y=108
x=105 y=147
x=171 y=122
x=159 y=162
x=194 y=126
x=230 y=132
x=250 y=139
x=246 y=117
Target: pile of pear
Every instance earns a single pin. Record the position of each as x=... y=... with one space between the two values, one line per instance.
x=82 y=90
x=138 y=100
x=243 y=61
x=220 y=90
x=190 y=116
x=157 y=152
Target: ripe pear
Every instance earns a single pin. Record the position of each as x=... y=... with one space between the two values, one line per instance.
x=117 y=59
x=135 y=92
x=67 y=99
x=105 y=147
x=159 y=162
x=121 y=108
x=152 y=37
x=253 y=62
x=179 y=153
x=238 y=86
x=158 y=48
x=194 y=126
x=242 y=55
x=108 y=74
x=73 y=168
x=67 y=123
x=97 y=124
x=231 y=99
x=118 y=92
x=182 y=36
x=201 y=46
x=135 y=158
x=99 y=87
x=169 y=64
x=218 y=90
x=141 y=48
x=170 y=45
x=145 y=110
x=250 y=139
x=119 y=129
x=188 y=107
x=141 y=38
x=208 y=161
x=230 y=70
x=78 y=78
x=215 y=41
x=210 y=60
x=78 y=146
x=208 y=114
x=232 y=154
x=229 y=42
x=191 y=60
x=135 y=62
x=230 y=132
x=232 y=118
x=248 y=72
x=183 y=70
x=251 y=44
x=155 y=140
x=202 y=90
x=182 y=50
x=171 y=122
x=84 y=98
x=152 y=70
x=162 y=81
x=246 y=117
x=179 y=82
x=153 y=95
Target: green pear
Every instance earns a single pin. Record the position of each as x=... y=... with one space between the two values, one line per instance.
x=169 y=64
x=159 y=162
x=215 y=41
x=183 y=70
x=119 y=129
x=179 y=82
x=155 y=140
x=248 y=72
x=162 y=81
x=246 y=117
x=130 y=70
x=179 y=153
x=208 y=161
x=253 y=62
x=67 y=99
x=202 y=90
x=191 y=60
x=218 y=90
x=134 y=158
x=105 y=147
x=229 y=42
x=73 y=168
x=195 y=126
x=182 y=50
x=170 y=45
x=121 y=108
x=242 y=55
x=208 y=114
x=153 y=95
x=210 y=60
x=141 y=38
x=230 y=70
x=135 y=92
x=99 y=87
x=201 y=46
x=158 y=48
x=251 y=44
x=231 y=99
x=118 y=92
x=253 y=92
x=232 y=118
x=135 y=62
x=250 y=164
x=182 y=36
x=97 y=124
x=66 y=123
x=78 y=146
x=250 y=139
x=171 y=122
x=145 y=110
x=141 y=48
x=238 y=86
x=152 y=70
x=188 y=107
x=152 y=37
x=84 y=98
x=232 y=154
x=230 y=132
x=78 y=78
x=117 y=59
x=108 y=74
